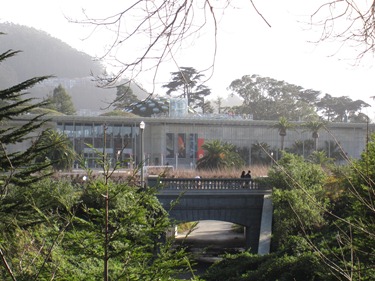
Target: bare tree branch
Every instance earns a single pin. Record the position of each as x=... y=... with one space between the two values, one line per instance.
x=156 y=31
x=349 y=22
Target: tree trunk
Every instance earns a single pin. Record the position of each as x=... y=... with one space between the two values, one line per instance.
x=282 y=142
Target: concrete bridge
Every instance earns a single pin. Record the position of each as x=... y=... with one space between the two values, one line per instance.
x=232 y=200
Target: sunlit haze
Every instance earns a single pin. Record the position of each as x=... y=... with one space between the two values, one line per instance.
x=246 y=45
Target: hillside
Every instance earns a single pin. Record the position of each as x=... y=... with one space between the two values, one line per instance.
x=42 y=54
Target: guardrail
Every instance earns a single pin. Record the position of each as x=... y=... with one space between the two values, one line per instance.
x=209 y=183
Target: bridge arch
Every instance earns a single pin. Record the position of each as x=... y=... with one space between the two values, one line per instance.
x=249 y=208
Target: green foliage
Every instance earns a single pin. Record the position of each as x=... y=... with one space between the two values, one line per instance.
x=268 y=99
x=59 y=150
x=261 y=153
x=186 y=82
x=342 y=109
x=18 y=167
x=282 y=126
x=314 y=126
x=218 y=155
x=249 y=267
x=61 y=101
x=298 y=198
x=293 y=172
x=302 y=147
x=323 y=223
x=32 y=227
x=360 y=211
x=124 y=97
x=333 y=150
x=320 y=158
x=207 y=107
x=62 y=228
x=119 y=113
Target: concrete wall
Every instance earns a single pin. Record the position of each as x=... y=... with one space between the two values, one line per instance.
x=242 y=207
x=242 y=133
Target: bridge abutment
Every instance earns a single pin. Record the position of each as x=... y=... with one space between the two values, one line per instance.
x=249 y=208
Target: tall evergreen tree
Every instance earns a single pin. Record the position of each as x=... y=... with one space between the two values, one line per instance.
x=19 y=167
x=61 y=101
x=269 y=99
x=187 y=83
x=124 y=97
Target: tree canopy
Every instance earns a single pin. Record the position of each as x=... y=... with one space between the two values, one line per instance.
x=60 y=150
x=19 y=167
x=323 y=226
x=186 y=83
x=269 y=99
x=124 y=97
x=61 y=101
x=218 y=155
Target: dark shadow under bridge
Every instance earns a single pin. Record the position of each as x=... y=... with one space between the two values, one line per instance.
x=233 y=200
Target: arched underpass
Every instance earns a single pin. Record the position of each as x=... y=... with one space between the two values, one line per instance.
x=247 y=207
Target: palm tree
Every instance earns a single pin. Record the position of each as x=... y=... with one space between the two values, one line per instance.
x=58 y=149
x=260 y=152
x=282 y=126
x=334 y=150
x=219 y=155
x=320 y=158
x=302 y=147
x=314 y=126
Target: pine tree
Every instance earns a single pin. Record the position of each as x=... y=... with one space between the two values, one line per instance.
x=19 y=167
x=124 y=97
x=61 y=101
x=186 y=83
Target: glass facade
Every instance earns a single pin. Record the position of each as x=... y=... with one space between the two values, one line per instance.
x=178 y=142
x=92 y=140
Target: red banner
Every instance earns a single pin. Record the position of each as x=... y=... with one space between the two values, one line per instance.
x=200 y=151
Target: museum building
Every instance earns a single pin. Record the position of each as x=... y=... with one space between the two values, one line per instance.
x=178 y=141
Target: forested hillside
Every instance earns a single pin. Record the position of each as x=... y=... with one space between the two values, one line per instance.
x=43 y=54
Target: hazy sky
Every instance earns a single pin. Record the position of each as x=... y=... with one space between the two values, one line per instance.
x=246 y=45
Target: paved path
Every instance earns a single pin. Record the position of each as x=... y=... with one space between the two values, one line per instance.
x=217 y=233
x=208 y=241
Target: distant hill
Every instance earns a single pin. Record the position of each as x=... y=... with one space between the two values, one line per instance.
x=43 y=54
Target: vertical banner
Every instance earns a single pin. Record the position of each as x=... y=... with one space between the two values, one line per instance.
x=200 y=151
x=169 y=145
x=181 y=146
x=193 y=145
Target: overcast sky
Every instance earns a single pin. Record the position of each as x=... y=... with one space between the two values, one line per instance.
x=246 y=45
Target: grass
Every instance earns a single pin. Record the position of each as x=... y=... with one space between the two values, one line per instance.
x=256 y=171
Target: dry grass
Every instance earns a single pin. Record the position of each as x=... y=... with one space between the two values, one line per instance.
x=256 y=171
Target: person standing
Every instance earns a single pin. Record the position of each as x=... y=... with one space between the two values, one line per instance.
x=249 y=180
x=243 y=175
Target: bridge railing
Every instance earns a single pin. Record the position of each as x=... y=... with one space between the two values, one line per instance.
x=208 y=183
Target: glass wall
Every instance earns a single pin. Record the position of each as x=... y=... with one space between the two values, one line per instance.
x=90 y=140
x=179 y=143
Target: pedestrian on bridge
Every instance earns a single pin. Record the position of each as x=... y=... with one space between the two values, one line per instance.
x=249 y=179
x=243 y=175
x=198 y=182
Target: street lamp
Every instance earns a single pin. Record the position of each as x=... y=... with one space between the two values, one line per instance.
x=142 y=126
